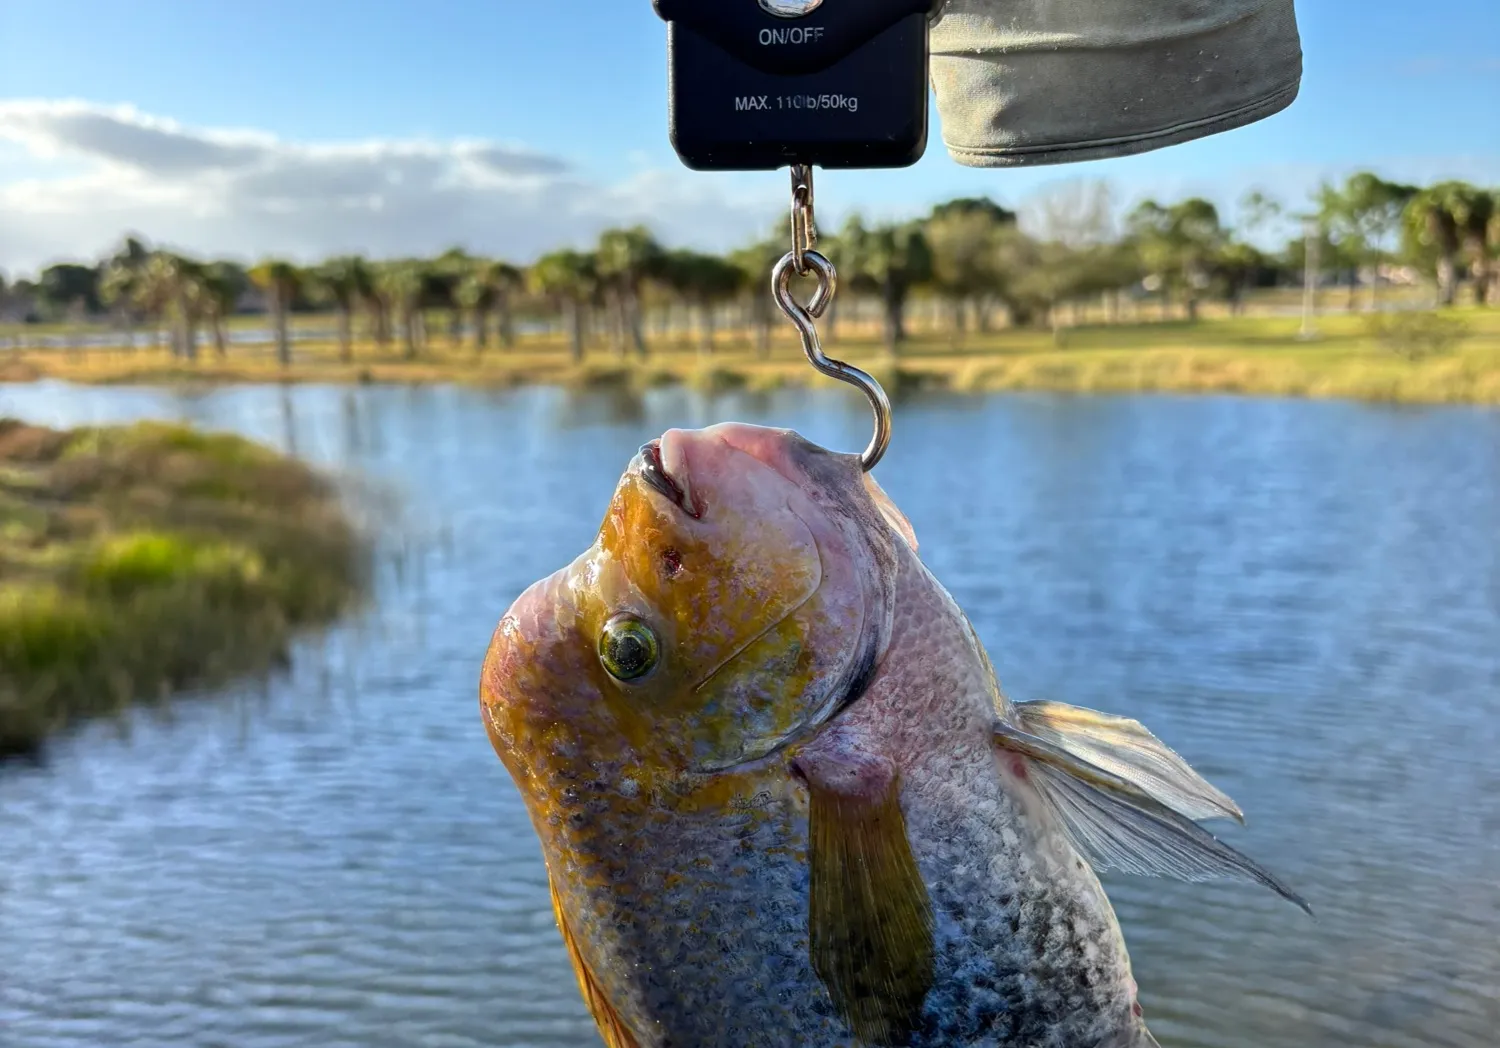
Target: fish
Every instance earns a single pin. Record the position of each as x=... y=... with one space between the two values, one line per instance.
x=781 y=796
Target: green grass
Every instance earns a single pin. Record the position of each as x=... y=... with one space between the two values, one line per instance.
x=140 y=561
x=1246 y=354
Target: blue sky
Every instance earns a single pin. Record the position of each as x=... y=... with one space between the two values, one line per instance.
x=576 y=90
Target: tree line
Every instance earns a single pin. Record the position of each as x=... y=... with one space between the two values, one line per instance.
x=973 y=255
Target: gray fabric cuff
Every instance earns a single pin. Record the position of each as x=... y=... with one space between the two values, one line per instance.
x=1027 y=82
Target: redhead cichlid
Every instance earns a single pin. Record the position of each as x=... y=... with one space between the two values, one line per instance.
x=781 y=796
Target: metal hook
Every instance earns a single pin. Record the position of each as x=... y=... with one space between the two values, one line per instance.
x=803 y=317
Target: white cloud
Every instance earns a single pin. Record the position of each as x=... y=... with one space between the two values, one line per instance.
x=97 y=172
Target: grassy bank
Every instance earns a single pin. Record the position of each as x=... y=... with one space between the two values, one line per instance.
x=1249 y=355
x=138 y=561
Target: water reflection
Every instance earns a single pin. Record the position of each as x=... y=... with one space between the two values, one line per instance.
x=1303 y=598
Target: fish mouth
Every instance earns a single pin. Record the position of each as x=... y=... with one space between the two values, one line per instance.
x=651 y=470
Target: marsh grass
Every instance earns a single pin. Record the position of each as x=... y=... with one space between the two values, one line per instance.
x=139 y=561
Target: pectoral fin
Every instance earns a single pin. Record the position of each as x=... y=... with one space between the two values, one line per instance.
x=611 y=1027
x=1126 y=748
x=870 y=923
x=1118 y=826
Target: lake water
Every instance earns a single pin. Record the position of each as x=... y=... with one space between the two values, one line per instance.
x=1303 y=598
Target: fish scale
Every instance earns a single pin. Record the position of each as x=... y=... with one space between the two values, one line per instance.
x=1031 y=953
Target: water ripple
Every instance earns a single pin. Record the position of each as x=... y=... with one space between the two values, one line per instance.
x=1303 y=598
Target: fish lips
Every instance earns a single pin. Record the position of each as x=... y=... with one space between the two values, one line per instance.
x=648 y=465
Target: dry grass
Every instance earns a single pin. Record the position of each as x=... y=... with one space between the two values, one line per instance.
x=1249 y=355
x=138 y=561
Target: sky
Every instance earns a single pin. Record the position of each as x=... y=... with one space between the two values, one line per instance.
x=309 y=128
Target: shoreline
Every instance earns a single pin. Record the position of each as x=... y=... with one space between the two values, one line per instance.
x=143 y=561
x=1255 y=356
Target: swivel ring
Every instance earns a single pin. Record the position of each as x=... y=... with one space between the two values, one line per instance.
x=803 y=316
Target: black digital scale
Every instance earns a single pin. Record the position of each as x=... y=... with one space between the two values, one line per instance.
x=763 y=84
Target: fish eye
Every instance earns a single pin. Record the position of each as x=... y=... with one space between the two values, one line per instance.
x=628 y=648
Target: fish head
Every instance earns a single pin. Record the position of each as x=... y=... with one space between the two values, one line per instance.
x=739 y=592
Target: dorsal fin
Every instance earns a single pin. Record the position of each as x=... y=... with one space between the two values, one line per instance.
x=870 y=922
x=611 y=1027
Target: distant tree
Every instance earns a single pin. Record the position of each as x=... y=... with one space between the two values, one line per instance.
x=117 y=291
x=1434 y=235
x=626 y=258
x=401 y=284
x=151 y=294
x=754 y=263
x=440 y=283
x=170 y=289
x=489 y=287
x=1077 y=256
x=68 y=288
x=889 y=261
x=1362 y=216
x=346 y=282
x=1236 y=267
x=505 y=282
x=220 y=286
x=569 y=279
x=1494 y=239
x=119 y=280
x=982 y=208
x=472 y=296
x=281 y=281
x=962 y=235
x=1178 y=245
x=1477 y=214
x=1257 y=211
x=705 y=282
x=21 y=300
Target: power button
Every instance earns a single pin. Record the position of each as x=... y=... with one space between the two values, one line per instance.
x=790 y=8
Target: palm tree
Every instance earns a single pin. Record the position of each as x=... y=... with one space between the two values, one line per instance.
x=119 y=284
x=150 y=293
x=505 y=281
x=1476 y=212
x=117 y=290
x=1494 y=240
x=626 y=258
x=703 y=281
x=473 y=295
x=1363 y=215
x=347 y=282
x=1432 y=231
x=182 y=283
x=440 y=282
x=221 y=285
x=401 y=284
x=165 y=289
x=754 y=264
x=487 y=287
x=280 y=280
x=569 y=279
